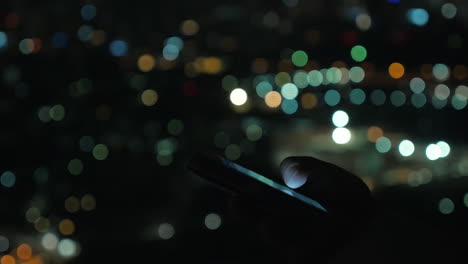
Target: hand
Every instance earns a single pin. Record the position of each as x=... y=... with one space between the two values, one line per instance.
x=295 y=236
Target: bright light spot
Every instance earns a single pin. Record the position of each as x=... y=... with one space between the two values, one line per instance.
x=444 y=149
x=49 y=241
x=433 y=152
x=462 y=91
x=300 y=79
x=273 y=99
x=341 y=135
x=396 y=70
x=67 y=248
x=418 y=16
x=146 y=62
x=446 y=206
x=212 y=221
x=406 y=148
x=383 y=145
x=238 y=96
x=449 y=10
x=359 y=53
x=340 y=118
x=299 y=58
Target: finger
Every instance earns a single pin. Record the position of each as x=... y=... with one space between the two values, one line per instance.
x=336 y=188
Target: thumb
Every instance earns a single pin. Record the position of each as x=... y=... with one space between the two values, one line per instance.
x=340 y=191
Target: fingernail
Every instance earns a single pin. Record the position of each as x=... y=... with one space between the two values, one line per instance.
x=293 y=178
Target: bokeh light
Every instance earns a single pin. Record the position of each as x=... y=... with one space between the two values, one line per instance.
x=189 y=27
x=118 y=48
x=332 y=97
x=444 y=148
x=446 y=206
x=66 y=227
x=24 y=252
x=149 y=97
x=166 y=231
x=100 y=152
x=238 y=96
x=356 y=74
x=383 y=145
x=433 y=152
x=357 y=96
x=146 y=62
x=308 y=100
x=359 y=53
x=441 y=91
x=289 y=106
x=397 y=98
x=406 y=148
x=212 y=221
x=4 y=243
x=441 y=72
x=418 y=16
x=449 y=10
x=396 y=70
x=8 y=179
x=315 y=78
x=299 y=58
x=67 y=248
x=289 y=91
x=273 y=99
x=417 y=85
x=49 y=241
x=341 y=135
x=340 y=118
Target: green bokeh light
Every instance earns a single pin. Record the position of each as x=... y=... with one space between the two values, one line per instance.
x=378 y=97
x=233 y=152
x=57 y=112
x=100 y=152
x=75 y=166
x=358 y=53
x=300 y=79
x=299 y=58
x=254 y=132
x=446 y=206
x=289 y=91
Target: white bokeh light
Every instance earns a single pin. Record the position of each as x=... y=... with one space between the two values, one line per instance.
x=238 y=96
x=444 y=149
x=406 y=148
x=433 y=152
x=341 y=135
x=340 y=118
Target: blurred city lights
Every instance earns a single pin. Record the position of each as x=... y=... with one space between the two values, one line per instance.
x=341 y=135
x=238 y=96
x=406 y=148
x=212 y=221
x=433 y=152
x=446 y=206
x=383 y=145
x=444 y=148
x=340 y=118
x=418 y=16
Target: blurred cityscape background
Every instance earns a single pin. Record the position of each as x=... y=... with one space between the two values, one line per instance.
x=103 y=102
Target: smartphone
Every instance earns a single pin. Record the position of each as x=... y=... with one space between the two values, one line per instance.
x=241 y=181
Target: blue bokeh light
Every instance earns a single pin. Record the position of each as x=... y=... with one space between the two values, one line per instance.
x=118 y=48
x=3 y=40
x=418 y=16
x=88 y=12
